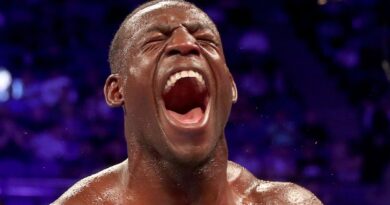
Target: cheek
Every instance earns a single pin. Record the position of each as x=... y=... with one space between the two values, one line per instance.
x=140 y=68
x=219 y=69
x=216 y=59
x=210 y=52
x=142 y=65
x=140 y=111
x=223 y=84
x=139 y=88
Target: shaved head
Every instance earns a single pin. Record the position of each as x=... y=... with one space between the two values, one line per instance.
x=118 y=54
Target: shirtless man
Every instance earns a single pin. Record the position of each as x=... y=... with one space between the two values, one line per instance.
x=170 y=77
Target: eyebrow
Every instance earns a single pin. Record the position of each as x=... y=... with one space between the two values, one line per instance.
x=192 y=27
x=165 y=28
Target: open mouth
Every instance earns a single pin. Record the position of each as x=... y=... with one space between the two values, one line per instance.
x=186 y=97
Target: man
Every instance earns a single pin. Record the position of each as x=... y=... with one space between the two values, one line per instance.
x=170 y=77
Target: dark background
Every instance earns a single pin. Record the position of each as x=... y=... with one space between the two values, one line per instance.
x=313 y=80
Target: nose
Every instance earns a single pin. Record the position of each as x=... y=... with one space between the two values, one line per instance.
x=182 y=43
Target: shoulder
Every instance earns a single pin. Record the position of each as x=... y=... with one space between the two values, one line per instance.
x=282 y=193
x=92 y=189
x=254 y=191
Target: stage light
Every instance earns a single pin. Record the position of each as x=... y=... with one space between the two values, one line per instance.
x=322 y=2
x=4 y=96
x=5 y=79
x=17 y=89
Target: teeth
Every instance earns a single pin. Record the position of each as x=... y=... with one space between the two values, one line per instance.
x=191 y=73
x=202 y=81
x=183 y=74
x=177 y=76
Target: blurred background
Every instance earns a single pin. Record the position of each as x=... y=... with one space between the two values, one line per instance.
x=313 y=79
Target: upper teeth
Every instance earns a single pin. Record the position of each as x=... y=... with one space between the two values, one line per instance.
x=183 y=74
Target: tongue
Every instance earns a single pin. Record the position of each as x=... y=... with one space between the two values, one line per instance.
x=192 y=116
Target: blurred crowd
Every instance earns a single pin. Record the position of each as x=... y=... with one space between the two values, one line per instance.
x=55 y=123
x=353 y=39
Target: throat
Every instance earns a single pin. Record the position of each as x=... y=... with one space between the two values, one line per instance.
x=192 y=188
x=175 y=183
x=186 y=101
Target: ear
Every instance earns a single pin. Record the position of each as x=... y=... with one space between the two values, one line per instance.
x=234 y=90
x=113 y=91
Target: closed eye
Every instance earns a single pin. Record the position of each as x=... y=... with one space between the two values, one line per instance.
x=155 y=38
x=206 y=38
x=151 y=42
x=207 y=41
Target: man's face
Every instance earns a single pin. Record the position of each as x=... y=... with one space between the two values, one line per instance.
x=177 y=88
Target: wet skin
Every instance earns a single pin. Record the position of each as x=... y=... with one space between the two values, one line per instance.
x=170 y=160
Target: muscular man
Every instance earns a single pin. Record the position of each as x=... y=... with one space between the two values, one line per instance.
x=170 y=77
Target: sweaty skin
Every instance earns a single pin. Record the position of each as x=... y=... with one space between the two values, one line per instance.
x=106 y=187
x=175 y=157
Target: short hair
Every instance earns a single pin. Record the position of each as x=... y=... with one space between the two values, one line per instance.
x=117 y=54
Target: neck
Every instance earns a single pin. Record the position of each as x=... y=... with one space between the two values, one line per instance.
x=153 y=181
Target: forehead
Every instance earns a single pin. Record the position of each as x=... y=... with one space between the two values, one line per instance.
x=169 y=13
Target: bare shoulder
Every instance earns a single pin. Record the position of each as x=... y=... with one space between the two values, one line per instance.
x=254 y=191
x=281 y=193
x=92 y=189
